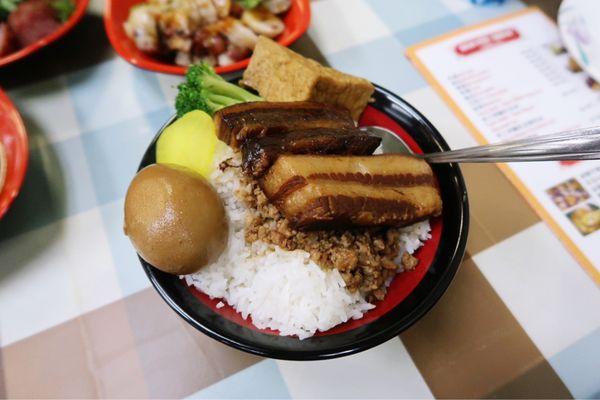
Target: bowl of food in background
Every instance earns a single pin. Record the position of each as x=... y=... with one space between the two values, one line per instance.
x=26 y=26
x=168 y=36
x=14 y=153
x=266 y=218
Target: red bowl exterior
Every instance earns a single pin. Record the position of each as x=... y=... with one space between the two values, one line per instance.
x=296 y=22
x=80 y=7
x=14 y=138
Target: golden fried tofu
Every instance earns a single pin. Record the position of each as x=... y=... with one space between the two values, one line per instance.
x=279 y=74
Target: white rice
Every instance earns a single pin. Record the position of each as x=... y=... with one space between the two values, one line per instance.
x=280 y=289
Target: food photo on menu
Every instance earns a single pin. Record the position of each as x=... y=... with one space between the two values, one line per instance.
x=257 y=198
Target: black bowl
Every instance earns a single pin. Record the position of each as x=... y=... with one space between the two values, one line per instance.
x=436 y=279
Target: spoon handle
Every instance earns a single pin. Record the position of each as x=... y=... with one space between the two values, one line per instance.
x=578 y=144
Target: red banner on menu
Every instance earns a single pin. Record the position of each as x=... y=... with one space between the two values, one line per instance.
x=486 y=41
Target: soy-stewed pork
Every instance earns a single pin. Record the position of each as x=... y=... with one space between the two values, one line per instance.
x=243 y=121
x=259 y=154
x=333 y=192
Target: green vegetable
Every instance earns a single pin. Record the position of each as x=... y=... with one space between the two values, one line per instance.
x=205 y=90
x=63 y=8
x=249 y=3
x=7 y=6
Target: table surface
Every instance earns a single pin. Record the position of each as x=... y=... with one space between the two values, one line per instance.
x=78 y=317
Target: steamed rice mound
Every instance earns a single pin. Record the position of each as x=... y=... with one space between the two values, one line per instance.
x=279 y=289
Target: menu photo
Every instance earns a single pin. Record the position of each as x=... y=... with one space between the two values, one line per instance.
x=511 y=78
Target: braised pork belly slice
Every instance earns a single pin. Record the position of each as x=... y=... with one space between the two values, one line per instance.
x=243 y=121
x=259 y=154
x=335 y=192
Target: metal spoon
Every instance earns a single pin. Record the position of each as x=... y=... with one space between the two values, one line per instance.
x=578 y=144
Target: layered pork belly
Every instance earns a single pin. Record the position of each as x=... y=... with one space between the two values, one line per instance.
x=334 y=192
x=243 y=121
x=259 y=154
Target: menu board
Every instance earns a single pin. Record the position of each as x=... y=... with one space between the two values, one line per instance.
x=510 y=78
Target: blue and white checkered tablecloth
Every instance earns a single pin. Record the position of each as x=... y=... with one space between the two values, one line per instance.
x=78 y=317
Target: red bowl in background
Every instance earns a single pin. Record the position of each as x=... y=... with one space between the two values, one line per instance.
x=14 y=138
x=78 y=13
x=296 y=22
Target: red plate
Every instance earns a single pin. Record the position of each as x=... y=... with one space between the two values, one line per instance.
x=296 y=22
x=80 y=7
x=14 y=139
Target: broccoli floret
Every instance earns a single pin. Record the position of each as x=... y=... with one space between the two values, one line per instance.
x=63 y=8
x=205 y=90
x=248 y=4
x=7 y=6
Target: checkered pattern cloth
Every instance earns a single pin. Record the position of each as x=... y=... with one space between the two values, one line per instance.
x=78 y=317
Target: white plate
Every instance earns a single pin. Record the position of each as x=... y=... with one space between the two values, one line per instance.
x=579 y=24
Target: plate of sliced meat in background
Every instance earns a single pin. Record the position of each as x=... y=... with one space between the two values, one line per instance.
x=27 y=26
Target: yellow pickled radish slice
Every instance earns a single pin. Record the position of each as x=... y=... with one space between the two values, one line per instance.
x=189 y=142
